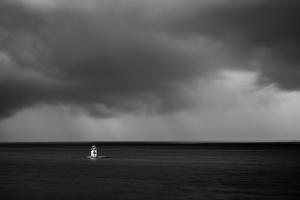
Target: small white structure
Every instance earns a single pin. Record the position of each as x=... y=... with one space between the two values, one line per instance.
x=94 y=152
x=94 y=155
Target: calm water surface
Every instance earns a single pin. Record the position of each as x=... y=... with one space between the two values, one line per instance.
x=149 y=172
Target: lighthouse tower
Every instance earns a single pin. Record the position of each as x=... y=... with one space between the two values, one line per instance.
x=94 y=152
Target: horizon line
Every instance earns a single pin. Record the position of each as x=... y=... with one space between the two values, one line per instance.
x=156 y=142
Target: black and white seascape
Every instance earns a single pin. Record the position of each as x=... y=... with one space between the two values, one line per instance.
x=149 y=99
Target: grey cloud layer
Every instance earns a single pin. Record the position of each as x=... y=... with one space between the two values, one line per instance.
x=138 y=56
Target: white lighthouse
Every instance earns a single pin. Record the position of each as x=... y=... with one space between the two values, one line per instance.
x=94 y=152
x=94 y=155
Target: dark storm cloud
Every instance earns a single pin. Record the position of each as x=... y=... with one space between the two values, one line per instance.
x=134 y=56
x=92 y=58
x=265 y=35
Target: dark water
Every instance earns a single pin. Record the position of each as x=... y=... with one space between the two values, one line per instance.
x=149 y=172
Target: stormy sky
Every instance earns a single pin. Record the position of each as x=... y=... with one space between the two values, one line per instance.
x=149 y=70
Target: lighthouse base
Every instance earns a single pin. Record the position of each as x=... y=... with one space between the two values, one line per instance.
x=97 y=157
